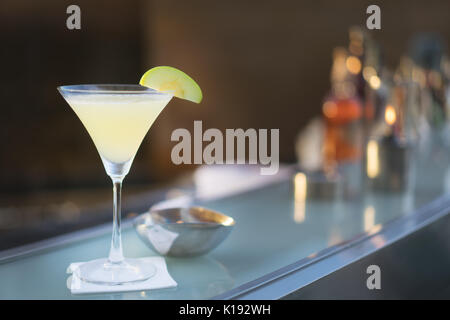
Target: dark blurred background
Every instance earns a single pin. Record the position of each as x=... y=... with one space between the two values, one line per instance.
x=263 y=64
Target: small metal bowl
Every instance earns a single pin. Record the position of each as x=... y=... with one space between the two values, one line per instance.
x=183 y=232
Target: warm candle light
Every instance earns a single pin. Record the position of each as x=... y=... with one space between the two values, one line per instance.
x=373 y=165
x=390 y=115
x=375 y=82
x=353 y=64
x=369 y=72
x=299 y=197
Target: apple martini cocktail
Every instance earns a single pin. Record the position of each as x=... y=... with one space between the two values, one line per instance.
x=117 y=117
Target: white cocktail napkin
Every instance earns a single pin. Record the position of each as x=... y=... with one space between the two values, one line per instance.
x=160 y=280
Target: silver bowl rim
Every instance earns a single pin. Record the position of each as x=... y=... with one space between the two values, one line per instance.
x=229 y=224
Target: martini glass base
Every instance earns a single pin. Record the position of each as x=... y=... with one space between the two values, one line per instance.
x=103 y=272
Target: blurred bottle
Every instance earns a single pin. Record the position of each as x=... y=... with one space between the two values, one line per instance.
x=388 y=149
x=359 y=47
x=406 y=79
x=445 y=67
x=429 y=72
x=427 y=55
x=355 y=95
x=374 y=82
x=342 y=110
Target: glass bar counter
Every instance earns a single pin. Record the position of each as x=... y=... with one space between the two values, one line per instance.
x=282 y=243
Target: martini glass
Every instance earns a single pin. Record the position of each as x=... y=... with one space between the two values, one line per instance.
x=117 y=117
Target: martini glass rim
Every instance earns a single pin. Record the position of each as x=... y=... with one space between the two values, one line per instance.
x=134 y=89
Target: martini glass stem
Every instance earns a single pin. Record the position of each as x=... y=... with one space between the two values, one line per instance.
x=116 y=253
